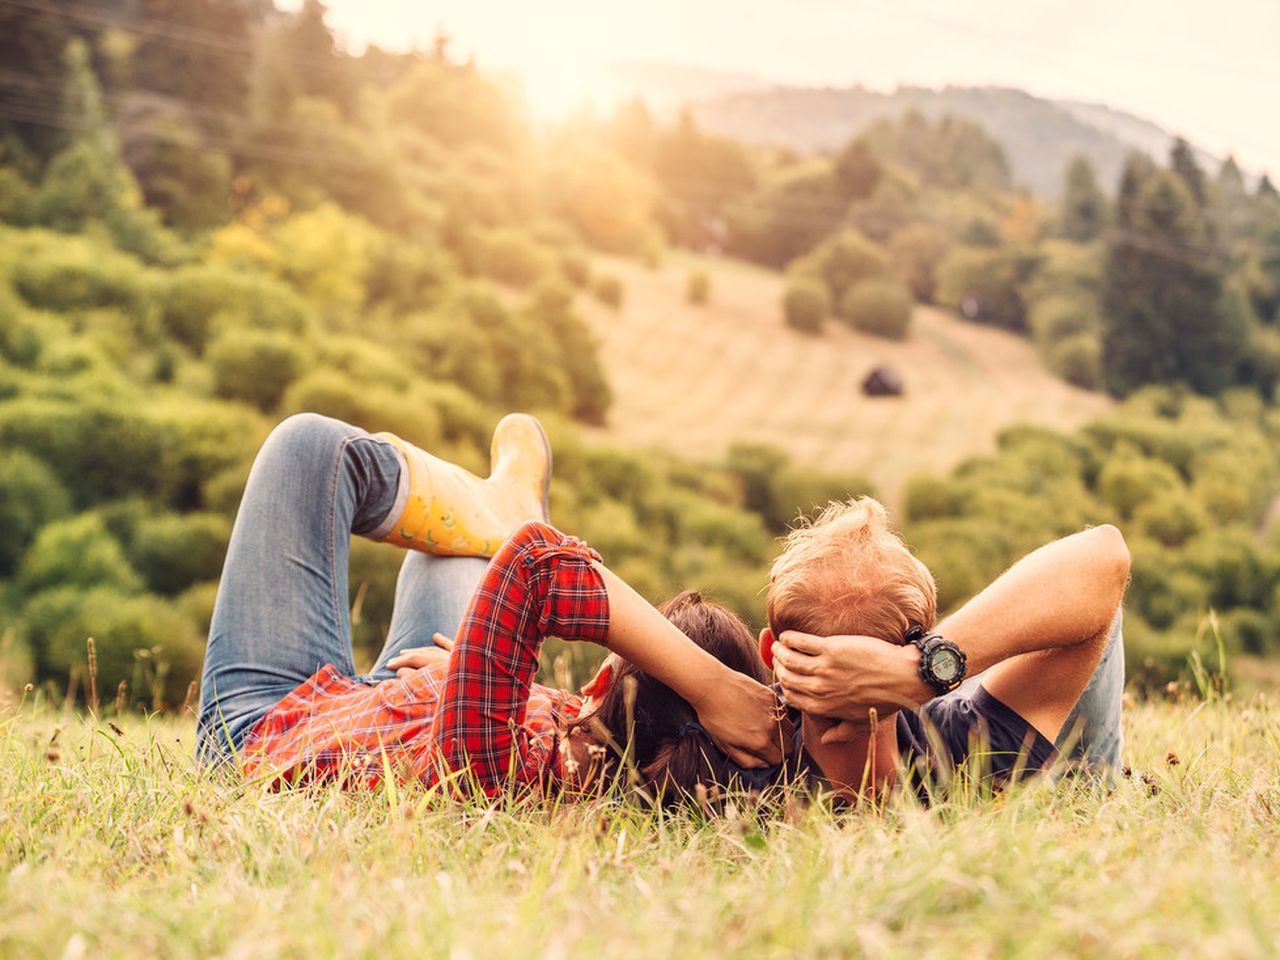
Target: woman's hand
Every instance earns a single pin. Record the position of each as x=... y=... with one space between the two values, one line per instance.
x=415 y=658
x=746 y=720
x=845 y=677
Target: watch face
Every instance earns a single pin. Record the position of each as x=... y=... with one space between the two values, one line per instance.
x=945 y=665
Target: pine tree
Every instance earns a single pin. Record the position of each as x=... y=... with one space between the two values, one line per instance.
x=1267 y=189
x=1084 y=205
x=1162 y=298
x=1182 y=161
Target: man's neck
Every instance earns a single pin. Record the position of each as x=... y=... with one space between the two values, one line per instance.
x=862 y=766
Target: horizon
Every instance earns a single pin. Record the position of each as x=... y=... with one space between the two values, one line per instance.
x=1141 y=60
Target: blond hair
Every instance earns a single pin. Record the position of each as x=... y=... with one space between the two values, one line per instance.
x=848 y=572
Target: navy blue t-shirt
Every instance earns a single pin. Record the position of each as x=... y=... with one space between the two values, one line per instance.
x=977 y=733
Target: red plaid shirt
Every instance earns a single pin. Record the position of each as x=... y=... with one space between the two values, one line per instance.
x=480 y=712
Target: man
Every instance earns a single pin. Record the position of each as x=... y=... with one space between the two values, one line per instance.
x=1031 y=666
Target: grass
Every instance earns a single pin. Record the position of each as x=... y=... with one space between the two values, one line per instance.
x=692 y=378
x=113 y=845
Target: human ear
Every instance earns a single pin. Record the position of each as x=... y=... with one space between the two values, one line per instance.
x=599 y=685
x=766 y=647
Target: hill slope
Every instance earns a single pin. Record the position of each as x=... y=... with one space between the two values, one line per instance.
x=1038 y=135
x=692 y=379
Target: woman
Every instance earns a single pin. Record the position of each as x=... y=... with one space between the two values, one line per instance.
x=281 y=696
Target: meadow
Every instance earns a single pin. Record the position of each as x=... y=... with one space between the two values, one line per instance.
x=113 y=845
x=694 y=378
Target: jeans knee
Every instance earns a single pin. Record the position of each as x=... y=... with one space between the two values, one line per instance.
x=307 y=433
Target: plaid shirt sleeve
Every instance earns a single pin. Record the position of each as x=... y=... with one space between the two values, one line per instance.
x=540 y=583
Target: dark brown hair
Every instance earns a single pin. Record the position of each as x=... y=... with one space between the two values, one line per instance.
x=672 y=764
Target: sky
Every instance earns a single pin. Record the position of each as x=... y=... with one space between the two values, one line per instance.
x=1207 y=70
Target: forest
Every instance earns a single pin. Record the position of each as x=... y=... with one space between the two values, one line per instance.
x=212 y=216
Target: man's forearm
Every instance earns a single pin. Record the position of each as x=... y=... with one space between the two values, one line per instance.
x=1064 y=593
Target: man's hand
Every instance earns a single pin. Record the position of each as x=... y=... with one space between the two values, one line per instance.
x=745 y=720
x=844 y=677
x=415 y=658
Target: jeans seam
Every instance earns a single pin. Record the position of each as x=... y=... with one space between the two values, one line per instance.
x=332 y=513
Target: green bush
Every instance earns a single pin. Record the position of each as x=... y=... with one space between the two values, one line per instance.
x=985 y=285
x=881 y=308
x=17 y=198
x=193 y=297
x=76 y=552
x=1061 y=315
x=916 y=253
x=1077 y=359
x=30 y=497
x=78 y=275
x=174 y=551
x=255 y=366
x=842 y=261
x=806 y=304
x=142 y=641
x=608 y=290
x=1127 y=482
x=511 y=256
x=698 y=287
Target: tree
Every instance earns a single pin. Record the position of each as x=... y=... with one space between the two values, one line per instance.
x=1084 y=206
x=88 y=181
x=1182 y=161
x=1162 y=289
x=857 y=170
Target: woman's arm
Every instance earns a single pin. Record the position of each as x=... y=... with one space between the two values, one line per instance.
x=542 y=583
x=739 y=713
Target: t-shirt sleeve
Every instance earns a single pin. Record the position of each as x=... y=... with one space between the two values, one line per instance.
x=540 y=583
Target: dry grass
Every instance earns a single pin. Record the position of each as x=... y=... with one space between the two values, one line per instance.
x=693 y=378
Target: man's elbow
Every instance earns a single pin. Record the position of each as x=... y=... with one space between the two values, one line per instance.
x=1112 y=555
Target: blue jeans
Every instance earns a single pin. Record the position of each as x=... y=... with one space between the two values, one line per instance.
x=282 y=607
x=1093 y=732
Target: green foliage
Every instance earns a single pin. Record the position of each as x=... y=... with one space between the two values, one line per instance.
x=77 y=552
x=985 y=284
x=512 y=257
x=1077 y=359
x=878 y=307
x=806 y=304
x=950 y=152
x=791 y=212
x=1163 y=294
x=174 y=551
x=142 y=641
x=916 y=252
x=842 y=261
x=30 y=498
x=1083 y=210
x=197 y=299
x=255 y=366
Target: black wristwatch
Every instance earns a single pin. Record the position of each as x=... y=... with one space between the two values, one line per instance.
x=942 y=663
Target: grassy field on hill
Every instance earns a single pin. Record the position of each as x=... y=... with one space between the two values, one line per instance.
x=692 y=378
x=112 y=846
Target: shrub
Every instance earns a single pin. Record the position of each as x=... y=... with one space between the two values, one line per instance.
x=842 y=261
x=698 y=287
x=805 y=304
x=984 y=284
x=76 y=552
x=1077 y=359
x=511 y=256
x=916 y=252
x=881 y=308
x=174 y=551
x=77 y=275
x=255 y=366
x=1060 y=316
x=608 y=290
x=1127 y=482
x=194 y=296
x=17 y=198
x=30 y=497
x=149 y=644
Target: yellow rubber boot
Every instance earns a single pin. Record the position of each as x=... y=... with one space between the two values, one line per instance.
x=452 y=512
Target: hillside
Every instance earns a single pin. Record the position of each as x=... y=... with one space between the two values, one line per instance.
x=692 y=379
x=1038 y=135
